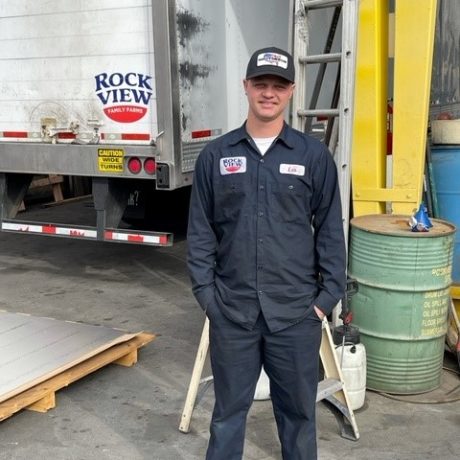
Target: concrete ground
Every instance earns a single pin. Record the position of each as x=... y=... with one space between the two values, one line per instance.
x=133 y=413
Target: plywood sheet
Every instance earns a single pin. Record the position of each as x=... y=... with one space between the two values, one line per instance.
x=33 y=349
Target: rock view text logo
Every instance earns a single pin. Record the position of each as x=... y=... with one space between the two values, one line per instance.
x=125 y=97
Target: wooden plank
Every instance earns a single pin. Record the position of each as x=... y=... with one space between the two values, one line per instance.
x=127 y=360
x=57 y=192
x=195 y=379
x=43 y=390
x=45 y=404
x=52 y=179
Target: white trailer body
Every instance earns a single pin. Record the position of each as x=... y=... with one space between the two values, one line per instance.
x=125 y=92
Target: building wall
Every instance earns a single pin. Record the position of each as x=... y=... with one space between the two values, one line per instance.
x=445 y=85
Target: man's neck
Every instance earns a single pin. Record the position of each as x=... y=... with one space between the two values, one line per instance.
x=260 y=129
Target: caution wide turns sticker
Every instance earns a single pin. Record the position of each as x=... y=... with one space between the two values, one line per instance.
x=110 y=160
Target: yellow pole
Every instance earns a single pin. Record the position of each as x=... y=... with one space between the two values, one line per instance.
x=369 y=130
x=414 y=41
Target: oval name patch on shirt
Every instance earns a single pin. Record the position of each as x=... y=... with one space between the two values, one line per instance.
x=232 y=165
x=295 y=170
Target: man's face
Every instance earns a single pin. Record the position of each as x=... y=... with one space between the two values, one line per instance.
x=268 y=96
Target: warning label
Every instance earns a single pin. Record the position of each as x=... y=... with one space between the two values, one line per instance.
x=110 y=160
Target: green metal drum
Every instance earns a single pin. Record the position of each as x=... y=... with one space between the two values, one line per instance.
x=403 y=299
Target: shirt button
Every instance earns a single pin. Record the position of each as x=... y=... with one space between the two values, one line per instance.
x=259 y=267
x=261 y=240
x=262 y=160
x=261 y=187
x=260 y=292
x=261 y=214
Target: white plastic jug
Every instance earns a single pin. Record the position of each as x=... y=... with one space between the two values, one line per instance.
x=353 y=366
x=263 y=387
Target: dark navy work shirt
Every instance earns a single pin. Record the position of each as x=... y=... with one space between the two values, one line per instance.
x=265 y=232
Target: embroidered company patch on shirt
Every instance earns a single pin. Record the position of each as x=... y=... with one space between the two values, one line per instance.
x=295 y=170
x=232 y=165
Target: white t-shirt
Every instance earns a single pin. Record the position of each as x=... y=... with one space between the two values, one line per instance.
x=263 y=143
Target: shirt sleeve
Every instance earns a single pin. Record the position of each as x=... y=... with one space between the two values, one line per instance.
x=201 y=238
x=330 y=249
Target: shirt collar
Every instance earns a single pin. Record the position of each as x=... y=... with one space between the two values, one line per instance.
x=241 y=135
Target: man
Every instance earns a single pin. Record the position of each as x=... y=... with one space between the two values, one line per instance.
x=267 y=261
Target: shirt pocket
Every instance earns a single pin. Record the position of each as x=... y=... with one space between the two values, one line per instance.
x=290 y=202
x=230 y=192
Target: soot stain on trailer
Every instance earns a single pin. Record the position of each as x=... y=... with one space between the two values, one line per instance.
x=191 y=72
x=189 y=25
x=193 y=68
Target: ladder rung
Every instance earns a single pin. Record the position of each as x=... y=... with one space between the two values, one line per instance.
x=319 y=58
x=327 y=388
x=317 y=4
x=318 y=113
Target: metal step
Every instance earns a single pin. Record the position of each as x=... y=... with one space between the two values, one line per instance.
x=318 y=4
x=320 y=58
x=318 y=113
x=328 y=387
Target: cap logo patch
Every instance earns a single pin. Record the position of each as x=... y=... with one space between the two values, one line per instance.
x=232 y=165
x=274 y=59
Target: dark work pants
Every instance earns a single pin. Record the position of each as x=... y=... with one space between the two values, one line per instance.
x=290 y=358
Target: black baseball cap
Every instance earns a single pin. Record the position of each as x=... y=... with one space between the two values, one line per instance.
x=271 y=61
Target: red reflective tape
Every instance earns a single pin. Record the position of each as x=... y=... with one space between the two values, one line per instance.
x=102 y=135
x=135 y=137
x=22 y=134
x=163 y=239
x=67 y=136
x=202 y=133
x=108 y=235
x=136 y=238
x=50 y=229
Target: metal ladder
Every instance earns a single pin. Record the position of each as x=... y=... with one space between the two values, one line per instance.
x=341 y=110
x=332 y=388
x=338 y=137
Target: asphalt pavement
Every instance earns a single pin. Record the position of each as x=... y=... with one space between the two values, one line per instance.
x=134 y=413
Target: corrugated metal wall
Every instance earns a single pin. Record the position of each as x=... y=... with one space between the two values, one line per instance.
x=445 y=85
